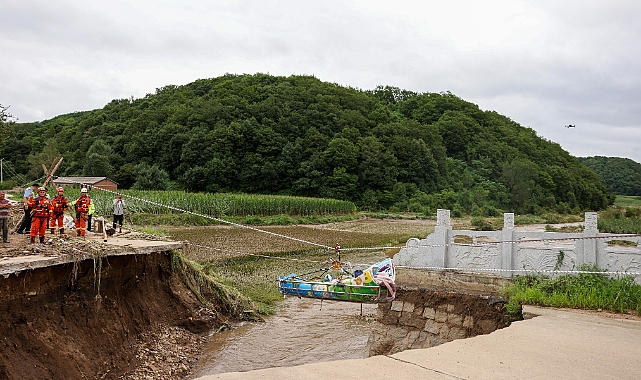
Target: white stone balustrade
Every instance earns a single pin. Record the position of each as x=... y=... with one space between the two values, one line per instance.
x=508 y=252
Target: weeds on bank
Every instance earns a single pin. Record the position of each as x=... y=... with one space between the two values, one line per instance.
x=159 y=231
x=567 y=229
x=580 y=291
x=211 y=291
x=480 y=223
x=256 y=277
x=384 y=215
x=620 y=220
x=548 y=218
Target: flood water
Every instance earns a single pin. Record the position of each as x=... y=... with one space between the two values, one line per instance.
x=302 y=331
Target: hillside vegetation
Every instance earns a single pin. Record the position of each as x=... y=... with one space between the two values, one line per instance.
x=620 y=175
x=382 y=149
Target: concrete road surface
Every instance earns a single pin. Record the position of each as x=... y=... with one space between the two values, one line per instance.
x=552 y=345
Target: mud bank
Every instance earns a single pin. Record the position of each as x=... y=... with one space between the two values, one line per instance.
x=93 y=318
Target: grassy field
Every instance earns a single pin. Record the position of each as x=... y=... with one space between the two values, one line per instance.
x=627 y=201
x=590 y=291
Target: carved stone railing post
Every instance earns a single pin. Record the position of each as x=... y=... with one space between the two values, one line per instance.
x=590 y=245
x=441 y=233
x=507 y=249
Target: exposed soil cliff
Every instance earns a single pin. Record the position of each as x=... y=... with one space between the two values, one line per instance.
x=93 y=319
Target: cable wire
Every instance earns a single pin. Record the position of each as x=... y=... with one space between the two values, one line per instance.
x=390 y=247
x=214 y=218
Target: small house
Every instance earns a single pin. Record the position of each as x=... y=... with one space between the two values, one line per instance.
x=89 y=182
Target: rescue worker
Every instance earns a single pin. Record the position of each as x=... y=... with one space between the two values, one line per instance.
x=82 y=210
x=40 y=209
x=59 y=204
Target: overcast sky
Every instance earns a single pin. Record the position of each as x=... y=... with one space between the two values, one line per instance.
x=544 y=64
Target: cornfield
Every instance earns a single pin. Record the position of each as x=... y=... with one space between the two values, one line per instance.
x=218 y=204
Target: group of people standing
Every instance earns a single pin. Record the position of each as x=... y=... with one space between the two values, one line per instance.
x=43 y=212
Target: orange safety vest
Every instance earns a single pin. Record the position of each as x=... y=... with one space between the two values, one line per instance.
x=41 y=207
x=82 y=204
x=60 y=204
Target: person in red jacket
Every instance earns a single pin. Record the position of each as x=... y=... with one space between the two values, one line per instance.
x=41 y=209
x=60 y=205
x=82 y=210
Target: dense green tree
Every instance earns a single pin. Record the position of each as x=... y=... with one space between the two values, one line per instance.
x=620 y=175
x=97 y=161
x=519 y=178
x=125 y=176
x=341 y=184
x=6 y=122
x=297 y=135
x=150 y=177
x=48 y=156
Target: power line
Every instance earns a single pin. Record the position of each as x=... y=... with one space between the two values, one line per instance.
x=12 y=172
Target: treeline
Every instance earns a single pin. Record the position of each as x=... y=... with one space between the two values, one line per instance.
x=621 y=175
x=382 y=149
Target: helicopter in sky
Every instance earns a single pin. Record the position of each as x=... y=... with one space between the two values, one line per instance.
x=570 y=126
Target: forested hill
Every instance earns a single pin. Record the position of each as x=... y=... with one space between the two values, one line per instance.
x=621 y=175
x=386 y=148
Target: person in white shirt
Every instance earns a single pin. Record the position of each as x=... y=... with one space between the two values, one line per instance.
x=119 y=212
x=25 y=226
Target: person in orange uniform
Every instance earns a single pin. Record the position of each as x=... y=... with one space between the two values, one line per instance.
x=82 y=210
x=41 y=209
x=60 y=205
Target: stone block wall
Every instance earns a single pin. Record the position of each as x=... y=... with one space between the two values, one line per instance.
x=422 y=318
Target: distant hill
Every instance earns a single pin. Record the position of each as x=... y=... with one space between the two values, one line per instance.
x=620 y=175
x=385 y=148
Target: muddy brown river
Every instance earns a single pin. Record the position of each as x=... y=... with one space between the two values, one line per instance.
x=302 y=331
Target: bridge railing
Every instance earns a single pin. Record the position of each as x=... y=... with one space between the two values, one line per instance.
x=509 y=252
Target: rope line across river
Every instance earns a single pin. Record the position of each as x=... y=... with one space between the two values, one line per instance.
x=326 y=247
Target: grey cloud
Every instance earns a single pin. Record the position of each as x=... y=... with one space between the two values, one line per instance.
x=572 y=62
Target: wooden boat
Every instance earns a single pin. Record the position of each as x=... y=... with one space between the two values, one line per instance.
x=368 y=286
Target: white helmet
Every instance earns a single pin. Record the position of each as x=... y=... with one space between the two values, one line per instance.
x=83 y=190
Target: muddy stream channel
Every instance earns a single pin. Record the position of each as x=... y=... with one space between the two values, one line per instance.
x=300 y=332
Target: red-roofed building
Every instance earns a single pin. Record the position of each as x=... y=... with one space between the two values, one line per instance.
x=89 y=182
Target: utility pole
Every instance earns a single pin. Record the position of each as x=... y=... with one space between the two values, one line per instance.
x=49 y=173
